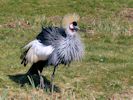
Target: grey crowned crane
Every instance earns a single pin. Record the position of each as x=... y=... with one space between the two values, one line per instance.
x=54 y=46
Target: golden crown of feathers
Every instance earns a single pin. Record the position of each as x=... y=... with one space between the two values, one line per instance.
x=69 y=18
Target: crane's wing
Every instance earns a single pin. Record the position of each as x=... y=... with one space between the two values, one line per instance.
x=43 y=46
x=50 y=35
x=35 y=51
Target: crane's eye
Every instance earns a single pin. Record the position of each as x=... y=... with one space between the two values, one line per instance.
x=75 y=23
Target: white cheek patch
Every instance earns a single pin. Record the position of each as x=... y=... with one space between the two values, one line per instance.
x=71 y=26
x=38 y=51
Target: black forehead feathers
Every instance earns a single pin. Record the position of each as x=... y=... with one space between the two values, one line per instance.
x=75 y=23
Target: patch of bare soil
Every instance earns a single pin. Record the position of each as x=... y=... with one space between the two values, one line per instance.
x=34 y=94
x=125 y=95
x=17 y=23
x=127 y=13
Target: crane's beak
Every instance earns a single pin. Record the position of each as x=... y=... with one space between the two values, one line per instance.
x=76 y=28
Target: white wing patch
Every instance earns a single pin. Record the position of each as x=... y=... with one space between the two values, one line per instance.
x=37 y=51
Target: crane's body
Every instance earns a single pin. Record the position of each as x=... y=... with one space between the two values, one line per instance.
x=53 y=46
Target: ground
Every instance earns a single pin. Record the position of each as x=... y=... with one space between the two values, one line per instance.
x=106 y=28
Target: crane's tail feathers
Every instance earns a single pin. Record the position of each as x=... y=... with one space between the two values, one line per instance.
x=24 y=54
x=23 y=57
x=26 y=49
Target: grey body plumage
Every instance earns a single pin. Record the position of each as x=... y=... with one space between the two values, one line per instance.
x=67 y=48
x=54 y=46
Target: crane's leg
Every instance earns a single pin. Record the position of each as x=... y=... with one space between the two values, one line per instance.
x=37 y=68
x=52 y=78
x=41 y=85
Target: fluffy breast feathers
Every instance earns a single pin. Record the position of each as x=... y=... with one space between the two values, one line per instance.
x=67 y=50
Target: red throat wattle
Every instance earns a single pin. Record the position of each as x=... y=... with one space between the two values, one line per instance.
x=71 y=27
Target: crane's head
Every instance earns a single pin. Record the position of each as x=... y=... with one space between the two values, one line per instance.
x=69 y=23
x=73 y=26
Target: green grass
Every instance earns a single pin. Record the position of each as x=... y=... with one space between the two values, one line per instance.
x=106 y=29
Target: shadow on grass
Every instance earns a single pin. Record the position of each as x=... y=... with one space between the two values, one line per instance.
x=23 y=79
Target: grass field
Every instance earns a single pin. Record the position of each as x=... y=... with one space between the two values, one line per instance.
x=106 y=71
